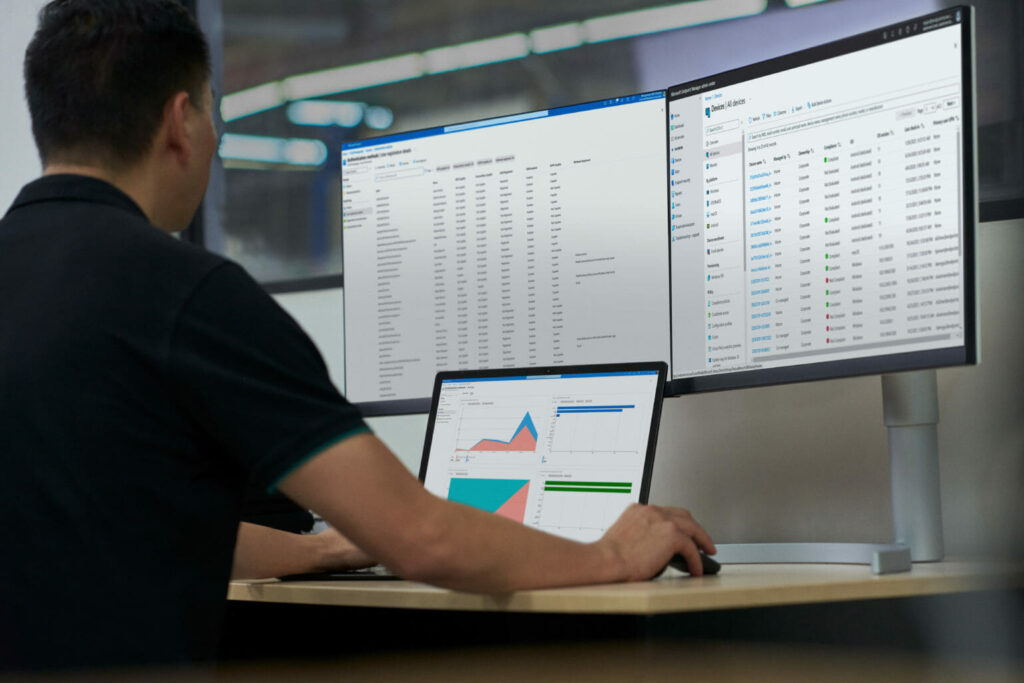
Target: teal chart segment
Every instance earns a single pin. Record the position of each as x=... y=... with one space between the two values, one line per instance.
x=485 y=494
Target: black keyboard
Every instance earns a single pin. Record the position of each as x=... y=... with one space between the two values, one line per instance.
x=375 y=573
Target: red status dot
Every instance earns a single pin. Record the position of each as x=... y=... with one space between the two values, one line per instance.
x=828 y=328
x=826 y=279
x=826 y=316
x=828 y=341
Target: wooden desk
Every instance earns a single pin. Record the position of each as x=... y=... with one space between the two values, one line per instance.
x=737 y=586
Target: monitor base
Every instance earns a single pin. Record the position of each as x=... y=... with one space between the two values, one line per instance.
x=883 y=558
x=911 y=409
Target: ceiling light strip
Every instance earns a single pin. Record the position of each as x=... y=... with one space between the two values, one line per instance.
x=251 y=101
x=668 y=18
x=354 y=77
x=481 y=52
x=477 y=53
x=258 y=148
x=552 y=38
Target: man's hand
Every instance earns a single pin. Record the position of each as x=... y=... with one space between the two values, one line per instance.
x=335 y=552
x=263 y=553
x=646 y=536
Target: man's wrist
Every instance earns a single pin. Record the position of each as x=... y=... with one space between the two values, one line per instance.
x=319 y=553
x=612 y=567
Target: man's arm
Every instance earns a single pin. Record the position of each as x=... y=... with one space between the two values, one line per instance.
x=262 y=553
x=362 y=489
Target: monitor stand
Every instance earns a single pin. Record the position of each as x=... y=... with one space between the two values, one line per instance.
x=911 y=408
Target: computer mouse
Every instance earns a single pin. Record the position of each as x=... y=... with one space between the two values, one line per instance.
x=679 y=562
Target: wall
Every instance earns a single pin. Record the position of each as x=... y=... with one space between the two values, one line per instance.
x=809 y=462
x=18 y=152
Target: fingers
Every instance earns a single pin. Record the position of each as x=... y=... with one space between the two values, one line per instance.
x=646 y=537
x=685 y=522
x=690 y=553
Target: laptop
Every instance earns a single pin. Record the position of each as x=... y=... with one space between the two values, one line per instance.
x=563 y=449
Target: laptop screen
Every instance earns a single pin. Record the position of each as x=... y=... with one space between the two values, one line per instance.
x=564 y=450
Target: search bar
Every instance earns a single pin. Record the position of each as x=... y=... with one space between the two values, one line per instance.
x=722 y=127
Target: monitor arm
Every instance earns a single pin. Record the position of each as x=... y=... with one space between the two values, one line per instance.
x=910 y=404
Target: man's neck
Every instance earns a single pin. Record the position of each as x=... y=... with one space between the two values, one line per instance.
x=128 y=182
x=75 y=169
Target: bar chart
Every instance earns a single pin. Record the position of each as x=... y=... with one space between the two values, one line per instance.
x=605 y=428
x=581 y=510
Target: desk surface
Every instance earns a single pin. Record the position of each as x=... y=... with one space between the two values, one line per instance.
x=754 y=585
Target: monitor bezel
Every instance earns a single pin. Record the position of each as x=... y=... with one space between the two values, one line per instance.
x=965 y=354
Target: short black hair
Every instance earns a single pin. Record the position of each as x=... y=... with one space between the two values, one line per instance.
x=99 y=72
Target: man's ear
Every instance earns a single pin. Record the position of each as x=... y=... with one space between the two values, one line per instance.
x=176 y=136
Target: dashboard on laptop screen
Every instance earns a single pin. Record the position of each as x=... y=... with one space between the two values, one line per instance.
x=565 y=453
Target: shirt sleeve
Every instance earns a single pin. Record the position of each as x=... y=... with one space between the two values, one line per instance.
x=252 y=381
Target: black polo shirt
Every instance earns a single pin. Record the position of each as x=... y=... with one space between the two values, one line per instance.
x=143 y=381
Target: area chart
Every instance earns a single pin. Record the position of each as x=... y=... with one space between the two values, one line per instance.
x=524 y=439
x=505 y=497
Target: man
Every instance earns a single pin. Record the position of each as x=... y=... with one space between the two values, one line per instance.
x=143 y=381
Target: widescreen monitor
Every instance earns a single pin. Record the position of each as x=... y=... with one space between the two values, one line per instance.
x=822 y=211
x=529 y=240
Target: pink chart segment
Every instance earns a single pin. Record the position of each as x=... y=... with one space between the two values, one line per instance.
x=524 y=439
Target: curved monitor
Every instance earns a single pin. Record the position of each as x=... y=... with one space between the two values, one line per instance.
x=822 y=211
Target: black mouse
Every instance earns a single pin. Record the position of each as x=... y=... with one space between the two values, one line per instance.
x=679 y=562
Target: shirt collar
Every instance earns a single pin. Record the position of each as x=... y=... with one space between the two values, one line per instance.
x=68 y=187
